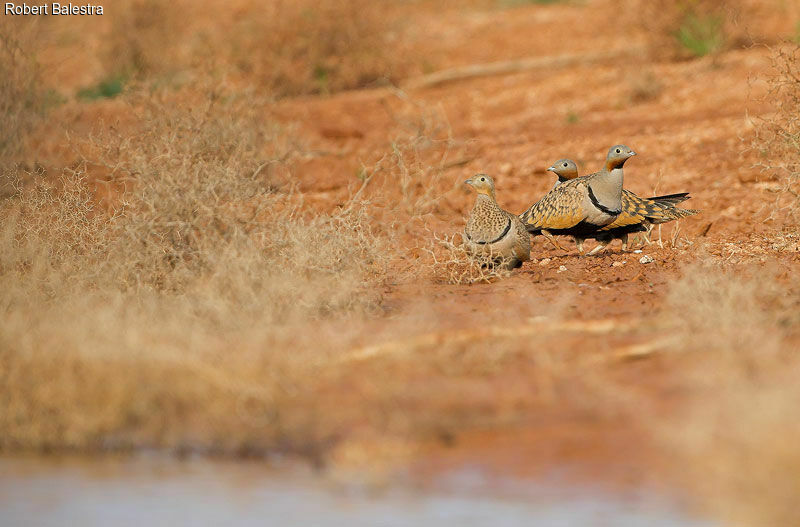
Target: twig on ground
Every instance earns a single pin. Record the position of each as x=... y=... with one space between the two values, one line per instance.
x=515 y=66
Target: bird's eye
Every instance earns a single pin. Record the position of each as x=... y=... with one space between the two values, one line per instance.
x=483 y=179
x=565 y=165
x=618 y=150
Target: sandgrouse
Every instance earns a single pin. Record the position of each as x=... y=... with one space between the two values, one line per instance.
x=579 y=207
x=492 y=232
x=638 y=214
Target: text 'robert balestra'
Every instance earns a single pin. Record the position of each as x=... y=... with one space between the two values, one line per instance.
x=52 y=9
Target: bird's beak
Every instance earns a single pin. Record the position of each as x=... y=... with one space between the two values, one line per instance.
x=632 y=154
x=551 y=169
x=468 y=181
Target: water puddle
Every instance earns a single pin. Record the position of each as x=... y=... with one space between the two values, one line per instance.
x=198 y=492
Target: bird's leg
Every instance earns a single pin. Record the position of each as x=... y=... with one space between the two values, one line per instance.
x=601 y=247
x=579 y=243
x=552 y=239
x=646 y=234
x=624 y=239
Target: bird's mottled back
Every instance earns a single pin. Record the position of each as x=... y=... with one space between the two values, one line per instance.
x=561 y=208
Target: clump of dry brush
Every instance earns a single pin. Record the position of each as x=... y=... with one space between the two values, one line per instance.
x=737 y=333
x=453 y=263
x=777 y=137
x=740 y=330
x=172 y=318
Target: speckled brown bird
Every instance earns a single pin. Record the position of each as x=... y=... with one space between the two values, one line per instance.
x=492 y=232
x=638 y=214
x=580 y=207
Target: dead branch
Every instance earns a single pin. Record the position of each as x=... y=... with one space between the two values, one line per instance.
x=428 y=340
x=515 y=66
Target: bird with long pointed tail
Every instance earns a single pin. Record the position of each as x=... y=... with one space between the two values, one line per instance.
x=638 y=214
x=580 y=206
x=493 y=233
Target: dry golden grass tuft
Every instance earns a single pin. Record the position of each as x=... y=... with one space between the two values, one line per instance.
x=739 y=330
x=411 y=179
x=452 y=263
x=716 y=311
x=733 y=435
x=180 y=318
x=777 y=137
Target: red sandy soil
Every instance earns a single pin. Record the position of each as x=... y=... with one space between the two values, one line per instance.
x=692 y=134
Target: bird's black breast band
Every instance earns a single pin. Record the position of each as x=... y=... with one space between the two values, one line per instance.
x=508 y=228
x=603 y=208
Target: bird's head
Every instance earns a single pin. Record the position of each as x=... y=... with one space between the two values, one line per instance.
x=482 y=183
x=617 y=155
x=564 y=169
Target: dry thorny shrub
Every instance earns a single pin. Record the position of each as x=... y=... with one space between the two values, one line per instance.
x=204 y=191
x=22 y=97
x=777 y=136
x=174 y=319
x=411 y=177
x=453 y=263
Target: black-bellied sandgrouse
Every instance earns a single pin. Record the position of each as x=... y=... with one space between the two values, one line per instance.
x=564 y=169
x=492 y=232
x=580 y=206
x=638 y=214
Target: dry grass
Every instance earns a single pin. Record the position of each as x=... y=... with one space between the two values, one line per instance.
x=777 y=137
x=732 y=436
x=740 y=329
x=452 y=263
x=174 y=319
x=644 y=86
x=22 y=96
x=411 y=179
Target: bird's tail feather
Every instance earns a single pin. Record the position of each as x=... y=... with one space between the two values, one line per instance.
x=660 y=209
x=670 y=213
x=671 y=199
